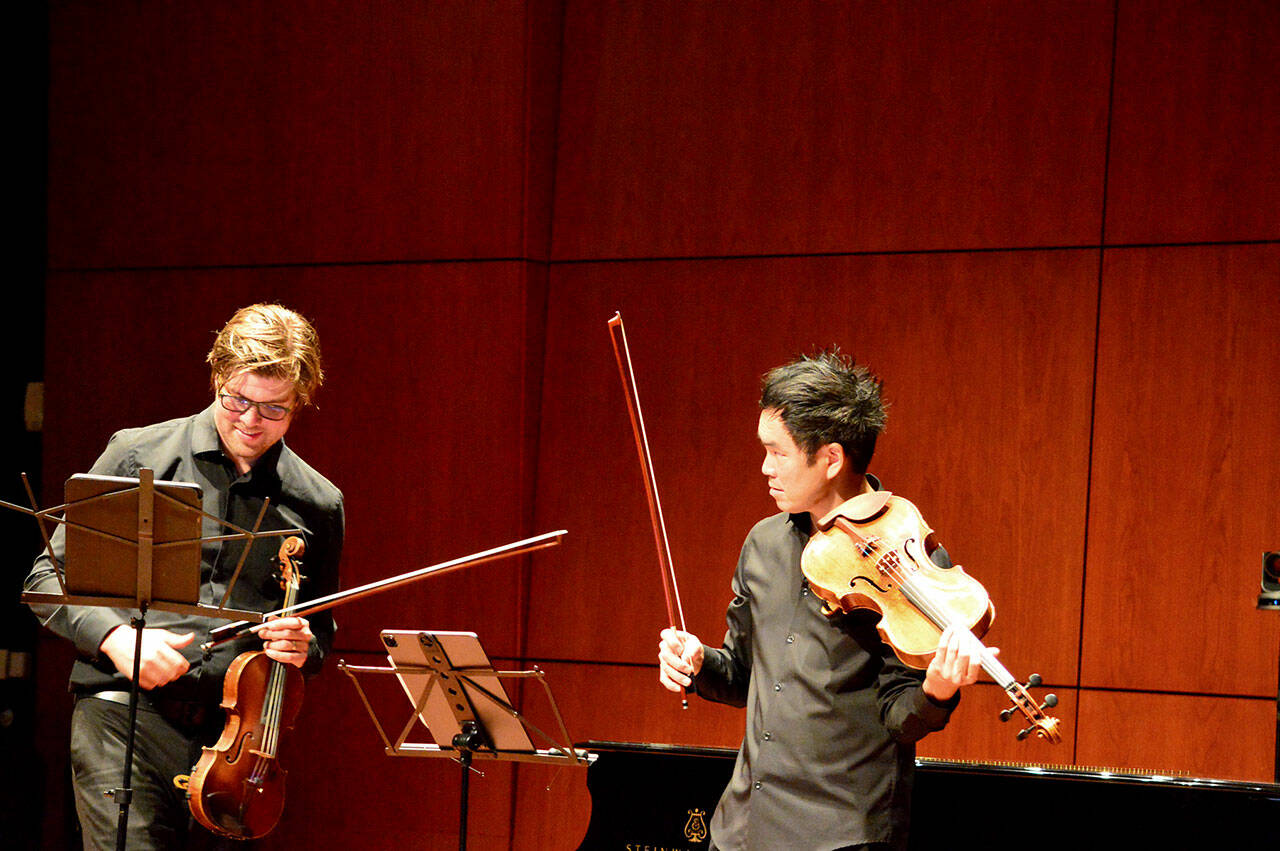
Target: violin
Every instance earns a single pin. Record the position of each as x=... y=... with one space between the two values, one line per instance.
x=869 y=553
x=236 y=789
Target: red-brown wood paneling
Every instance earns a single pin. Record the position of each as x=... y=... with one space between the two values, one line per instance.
x=1196 y=123
x=695 y=129
x=469 y=404
x=53 y=660
x=987 y=362
x=1198 y=735
x=1186 y=468
x=420 y=422
x=305 y=131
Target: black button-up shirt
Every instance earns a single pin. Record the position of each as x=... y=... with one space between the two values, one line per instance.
x=189 y=450
x=832 y=714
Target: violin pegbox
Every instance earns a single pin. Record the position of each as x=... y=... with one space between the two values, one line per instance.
x=1042 y=725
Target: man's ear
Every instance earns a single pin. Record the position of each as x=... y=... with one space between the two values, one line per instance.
x=833 y=453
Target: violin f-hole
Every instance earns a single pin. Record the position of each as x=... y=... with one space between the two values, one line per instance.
x=853 y=583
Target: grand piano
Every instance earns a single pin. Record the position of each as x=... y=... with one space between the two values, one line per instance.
x=648 y=797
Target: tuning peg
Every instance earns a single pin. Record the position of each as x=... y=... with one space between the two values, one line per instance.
x=1050 y=700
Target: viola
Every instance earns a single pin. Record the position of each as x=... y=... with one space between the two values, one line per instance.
x=236 y=789
x=870 y=553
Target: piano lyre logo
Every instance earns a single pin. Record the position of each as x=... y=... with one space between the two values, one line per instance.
x=695 y=829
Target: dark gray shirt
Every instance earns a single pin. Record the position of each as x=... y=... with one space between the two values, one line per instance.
x=189 y=450
x=832 y=714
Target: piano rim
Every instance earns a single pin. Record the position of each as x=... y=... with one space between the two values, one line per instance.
x=995 y=769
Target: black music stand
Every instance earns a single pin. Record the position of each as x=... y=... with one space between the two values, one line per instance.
x=135 y=544
x=458 y=696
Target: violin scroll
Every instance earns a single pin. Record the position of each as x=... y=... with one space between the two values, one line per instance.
x=1042 y=725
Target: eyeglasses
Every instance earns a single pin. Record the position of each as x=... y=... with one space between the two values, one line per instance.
x=266 y=410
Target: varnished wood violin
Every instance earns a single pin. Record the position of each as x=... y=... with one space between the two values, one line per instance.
x=236 y=789
x=869 y=553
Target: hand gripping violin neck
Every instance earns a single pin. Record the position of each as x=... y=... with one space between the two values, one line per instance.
x=871 y=553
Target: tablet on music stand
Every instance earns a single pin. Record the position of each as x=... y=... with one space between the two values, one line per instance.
x=454 y=675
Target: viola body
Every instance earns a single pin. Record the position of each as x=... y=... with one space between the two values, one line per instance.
x=237 y=787
x=870 y=553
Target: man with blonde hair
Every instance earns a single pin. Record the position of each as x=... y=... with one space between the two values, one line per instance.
x=265 y=365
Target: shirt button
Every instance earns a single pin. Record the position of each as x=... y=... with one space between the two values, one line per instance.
x=777 y=686
x=768 y=736
x=756 y=784
x=791 y=639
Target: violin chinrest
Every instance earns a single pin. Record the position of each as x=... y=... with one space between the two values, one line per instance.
x=858 y=509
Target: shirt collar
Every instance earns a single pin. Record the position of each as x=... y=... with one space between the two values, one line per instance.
x=206 y=443
x=204 y=436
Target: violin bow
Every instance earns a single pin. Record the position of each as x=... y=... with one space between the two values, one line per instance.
x=670 y=590
x=226 y=632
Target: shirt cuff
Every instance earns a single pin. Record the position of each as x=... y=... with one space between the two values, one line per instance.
x=93 y=630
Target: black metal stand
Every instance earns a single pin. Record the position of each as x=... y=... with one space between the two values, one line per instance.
x=467 y=742
x=138 y=548
x=124 y=795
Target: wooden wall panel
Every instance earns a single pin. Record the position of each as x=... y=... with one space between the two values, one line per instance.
x=310 y=133
x=986 y=358
x=1196 y=123
x=53 y=660
x=711 y=130
x=306 y=131
x=1201 y=736
x=1186 y=468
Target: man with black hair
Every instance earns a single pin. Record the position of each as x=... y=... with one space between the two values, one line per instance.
x=828 y=757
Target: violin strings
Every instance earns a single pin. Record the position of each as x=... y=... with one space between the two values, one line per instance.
x=272 y=709
x=891 y=565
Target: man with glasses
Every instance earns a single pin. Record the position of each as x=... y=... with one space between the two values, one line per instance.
x=265 y=366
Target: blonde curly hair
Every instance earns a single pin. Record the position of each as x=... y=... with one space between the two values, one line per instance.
x=270 y=340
